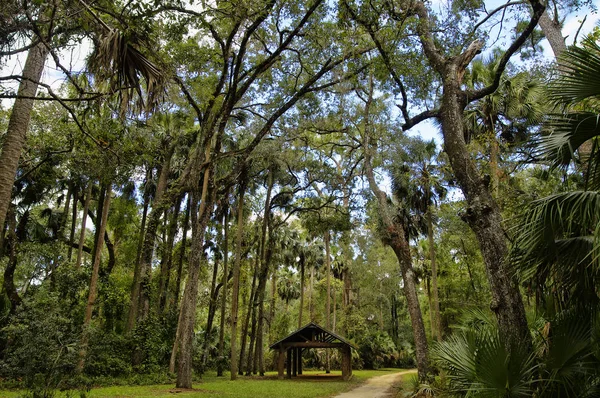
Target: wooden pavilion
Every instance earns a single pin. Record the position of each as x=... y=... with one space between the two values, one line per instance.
x=310 y=336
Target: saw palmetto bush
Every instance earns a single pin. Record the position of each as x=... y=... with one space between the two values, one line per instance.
x=563 y=362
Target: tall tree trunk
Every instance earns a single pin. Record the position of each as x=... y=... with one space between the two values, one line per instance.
x=395 y=237
x=302 y=267
x=484 y=218
x=186 y=221
x=135 y=293
x=552 y=30
x=328 y=300
x=93 y=293
x=250 y=314
x=18 y=124
x=482 y=213
x=191 y=211
x=334 y=321
x=73 y=224
x=16 y=232
x=311 y=306
x=187 y=318
x=140 y=293
x=273 y=301
x=434 y=285
x=86 y=208
x=212 y=309
x=158 y=208
x=264 y=273
x=225 y=250
x=165 y=276
x=235 y=288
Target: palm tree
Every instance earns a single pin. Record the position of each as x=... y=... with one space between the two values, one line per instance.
x=506 y=113
x=418 y=183
x=557 y=240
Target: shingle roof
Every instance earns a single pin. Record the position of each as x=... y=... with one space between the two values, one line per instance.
x=312 y=332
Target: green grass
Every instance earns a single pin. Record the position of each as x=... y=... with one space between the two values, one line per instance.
x=245 y=387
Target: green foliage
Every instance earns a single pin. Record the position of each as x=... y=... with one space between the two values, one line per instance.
x=377 y=350
x=41 y=342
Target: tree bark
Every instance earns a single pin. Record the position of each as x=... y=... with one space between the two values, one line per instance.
x=18 y=124
x=165 y=277
x=434 y=285
x=263 y=274
x=143 y=284
x=302 y=266
x=396 y=238
x=15 y=233
x=186 y=221
x=73 y=223
x=187 y=317
x=86 y=208
x=250 y=314
x=140 y=292
x=553 y=33
x=328 y=300
x=93 y=291
x=235 y=288
x=482 y=213
x=212 y=309
x=225 y=250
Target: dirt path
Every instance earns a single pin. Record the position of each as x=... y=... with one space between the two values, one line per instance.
x=375 y=387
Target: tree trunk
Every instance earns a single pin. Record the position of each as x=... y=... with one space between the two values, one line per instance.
x=93 y=293
x=263 y=274
x=212 y=309
x=235 y=288
x=552 y=30
x=402 y=251
x=86 y=208
x=396 y=238
x=311 y=306
x=16 y=232
x=186 y=221
x=328 y=300
x=302 y=266
x=73 y=223
x=193 y=205
x=18 y=124
x=434 y=285
x=143 y=285
x=187 y=318
x=482 y=213
x=165 y=277
x=140 y=292
x=224 y=296
x=483 y=216
x=250 y=314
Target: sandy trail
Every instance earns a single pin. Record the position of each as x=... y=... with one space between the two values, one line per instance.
x=375 y=387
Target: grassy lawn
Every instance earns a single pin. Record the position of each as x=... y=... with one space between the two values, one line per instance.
x=307 y=386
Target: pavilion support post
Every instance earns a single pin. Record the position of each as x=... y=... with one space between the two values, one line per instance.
x=294 y=362
x=299 y=361
x=289 y=363
x=346 y=363
x=280 y=363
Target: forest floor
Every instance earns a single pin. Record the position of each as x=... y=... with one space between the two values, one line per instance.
x=312 y=384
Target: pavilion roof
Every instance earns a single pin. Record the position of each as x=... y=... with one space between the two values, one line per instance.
x=311 y=332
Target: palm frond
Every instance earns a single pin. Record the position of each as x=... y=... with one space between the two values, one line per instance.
x=580 y=68
x=566 y=133
x=117 y=60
